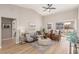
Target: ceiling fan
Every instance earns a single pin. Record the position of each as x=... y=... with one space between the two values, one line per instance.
x=49 y=7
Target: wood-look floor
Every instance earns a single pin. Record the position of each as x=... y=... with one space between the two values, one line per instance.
x=61 y=47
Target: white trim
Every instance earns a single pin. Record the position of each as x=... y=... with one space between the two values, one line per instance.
x=0 y=47
x=7 y=38
x=0 y=35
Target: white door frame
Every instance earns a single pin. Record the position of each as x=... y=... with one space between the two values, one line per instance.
x=1 y=30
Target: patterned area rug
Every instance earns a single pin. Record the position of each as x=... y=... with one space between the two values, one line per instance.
x=42 y=48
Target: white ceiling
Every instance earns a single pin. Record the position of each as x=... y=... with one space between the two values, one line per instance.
x=59 y=7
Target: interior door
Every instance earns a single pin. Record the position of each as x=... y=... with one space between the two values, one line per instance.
x=6 y=28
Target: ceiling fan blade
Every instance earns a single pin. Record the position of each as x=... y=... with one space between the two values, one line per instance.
x=52 y=8
x=44 y=7
x=49 y=7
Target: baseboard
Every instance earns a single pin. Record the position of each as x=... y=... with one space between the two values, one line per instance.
x=7 y=39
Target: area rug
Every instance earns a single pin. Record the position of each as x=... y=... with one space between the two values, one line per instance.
x=42 y=48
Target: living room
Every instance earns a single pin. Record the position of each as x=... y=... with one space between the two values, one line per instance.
x=31 y=18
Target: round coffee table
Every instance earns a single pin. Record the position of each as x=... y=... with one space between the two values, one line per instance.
x=44 y=42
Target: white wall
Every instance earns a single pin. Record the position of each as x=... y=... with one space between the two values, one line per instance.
x=78 y=22
x=70 y=15
x=0 y=34
x=23 y=17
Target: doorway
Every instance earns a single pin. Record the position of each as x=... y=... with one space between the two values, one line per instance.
x=7 y=27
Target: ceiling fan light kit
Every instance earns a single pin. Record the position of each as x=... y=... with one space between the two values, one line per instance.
x=49 y=8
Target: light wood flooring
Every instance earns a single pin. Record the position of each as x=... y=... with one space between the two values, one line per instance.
x=61 y=47
x=8 y=43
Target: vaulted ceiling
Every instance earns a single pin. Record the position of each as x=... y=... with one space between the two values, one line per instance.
x=59 y=8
